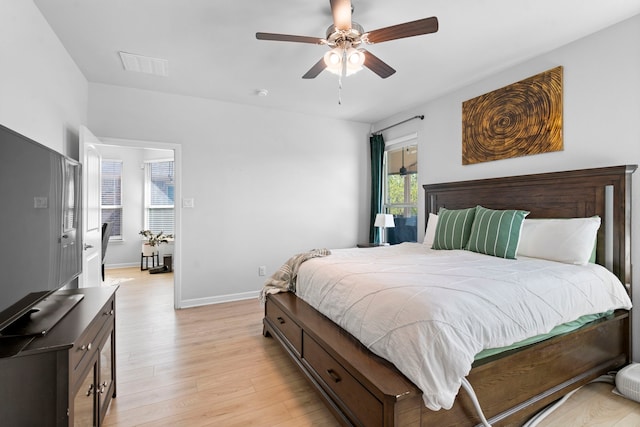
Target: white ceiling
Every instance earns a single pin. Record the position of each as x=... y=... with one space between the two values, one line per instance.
x=213 y=53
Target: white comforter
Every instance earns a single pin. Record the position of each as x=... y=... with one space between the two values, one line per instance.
x=430 y=312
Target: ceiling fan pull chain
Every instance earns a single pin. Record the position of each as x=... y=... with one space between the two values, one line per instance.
x=340 y=90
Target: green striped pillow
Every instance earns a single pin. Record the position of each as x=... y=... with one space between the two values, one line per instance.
x=496 y=232
x=454 y=226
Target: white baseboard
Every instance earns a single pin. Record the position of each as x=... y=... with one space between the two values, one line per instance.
x=124 y=265
x=220 y=299
x=199 y=301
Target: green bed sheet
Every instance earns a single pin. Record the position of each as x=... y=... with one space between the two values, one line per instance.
x=558 y=330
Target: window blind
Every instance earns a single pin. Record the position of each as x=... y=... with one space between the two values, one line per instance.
x=111 y=195
x=160 y=208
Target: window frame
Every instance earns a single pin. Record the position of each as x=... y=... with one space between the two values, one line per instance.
x=113 y=236
x=400 y=143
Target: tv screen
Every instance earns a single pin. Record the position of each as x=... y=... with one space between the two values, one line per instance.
x=40 y=217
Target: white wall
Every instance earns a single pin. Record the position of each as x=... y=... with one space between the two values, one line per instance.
x=601 y=121
x=43 y=94
x=266 y=184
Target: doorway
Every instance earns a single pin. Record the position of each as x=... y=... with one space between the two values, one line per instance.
x=135 y=158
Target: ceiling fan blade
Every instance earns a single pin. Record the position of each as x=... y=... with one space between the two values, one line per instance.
x=408 y=29
x=376 y=65
x=315 y=70
x=341 y=11
x=289 y=38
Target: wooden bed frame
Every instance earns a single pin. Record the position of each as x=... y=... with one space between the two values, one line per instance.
x=363 y=389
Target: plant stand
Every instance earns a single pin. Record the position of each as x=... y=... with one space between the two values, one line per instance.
x=144 y=260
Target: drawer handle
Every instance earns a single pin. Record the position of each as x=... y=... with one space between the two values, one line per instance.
x=281 y=320
x=334 y=376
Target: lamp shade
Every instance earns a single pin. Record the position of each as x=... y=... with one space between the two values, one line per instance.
x=384 y=220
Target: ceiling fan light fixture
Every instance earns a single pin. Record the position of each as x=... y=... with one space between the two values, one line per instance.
x=356 y=57
x=333 y=58
x=353 y=58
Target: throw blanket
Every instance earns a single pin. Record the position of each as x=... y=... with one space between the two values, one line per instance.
x=284 y=280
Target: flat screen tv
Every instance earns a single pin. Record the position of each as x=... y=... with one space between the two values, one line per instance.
x=40 y=241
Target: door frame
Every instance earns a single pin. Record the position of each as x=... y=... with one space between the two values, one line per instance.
x=177 y=243
x=91 y=238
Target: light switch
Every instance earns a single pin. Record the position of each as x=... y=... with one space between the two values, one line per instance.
x=187 y=203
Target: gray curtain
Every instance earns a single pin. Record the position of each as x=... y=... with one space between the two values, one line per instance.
x=377 y=153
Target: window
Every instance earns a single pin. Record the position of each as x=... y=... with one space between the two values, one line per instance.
x=401 y=190
x=159 y=196
x=111 y=195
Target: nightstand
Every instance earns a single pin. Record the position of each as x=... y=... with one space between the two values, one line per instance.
x=371 y=245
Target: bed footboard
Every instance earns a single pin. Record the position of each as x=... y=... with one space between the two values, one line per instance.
x=513 y=386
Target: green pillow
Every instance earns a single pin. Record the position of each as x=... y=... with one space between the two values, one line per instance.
x=454 y=226
x=496 y=232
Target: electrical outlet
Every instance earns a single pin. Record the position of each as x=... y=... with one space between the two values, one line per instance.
x=40 y=202
x=262 y=270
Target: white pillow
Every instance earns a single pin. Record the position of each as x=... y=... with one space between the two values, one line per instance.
x=430 y=234
x=568 y=240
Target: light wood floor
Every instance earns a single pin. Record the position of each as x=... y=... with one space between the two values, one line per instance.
x=211 y=366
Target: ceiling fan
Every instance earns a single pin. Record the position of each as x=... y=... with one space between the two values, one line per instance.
x=346 y=37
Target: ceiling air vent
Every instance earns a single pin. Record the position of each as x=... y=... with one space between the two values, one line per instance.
x=144 y=64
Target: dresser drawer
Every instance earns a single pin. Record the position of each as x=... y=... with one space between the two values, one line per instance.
x=291 y=331
x=80 y=354
x=365 y=408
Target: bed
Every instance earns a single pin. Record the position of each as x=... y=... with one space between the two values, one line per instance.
x=364 y=389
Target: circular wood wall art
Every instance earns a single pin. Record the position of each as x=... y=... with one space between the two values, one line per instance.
x=521 y=119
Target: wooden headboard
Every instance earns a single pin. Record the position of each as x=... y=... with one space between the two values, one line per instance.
x=569 y=194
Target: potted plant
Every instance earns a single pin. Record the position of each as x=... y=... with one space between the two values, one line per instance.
x=152 y=241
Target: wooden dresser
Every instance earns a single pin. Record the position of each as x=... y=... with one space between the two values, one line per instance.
x=68 y=376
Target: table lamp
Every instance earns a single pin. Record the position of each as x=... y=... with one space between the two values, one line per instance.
x=384 y=221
